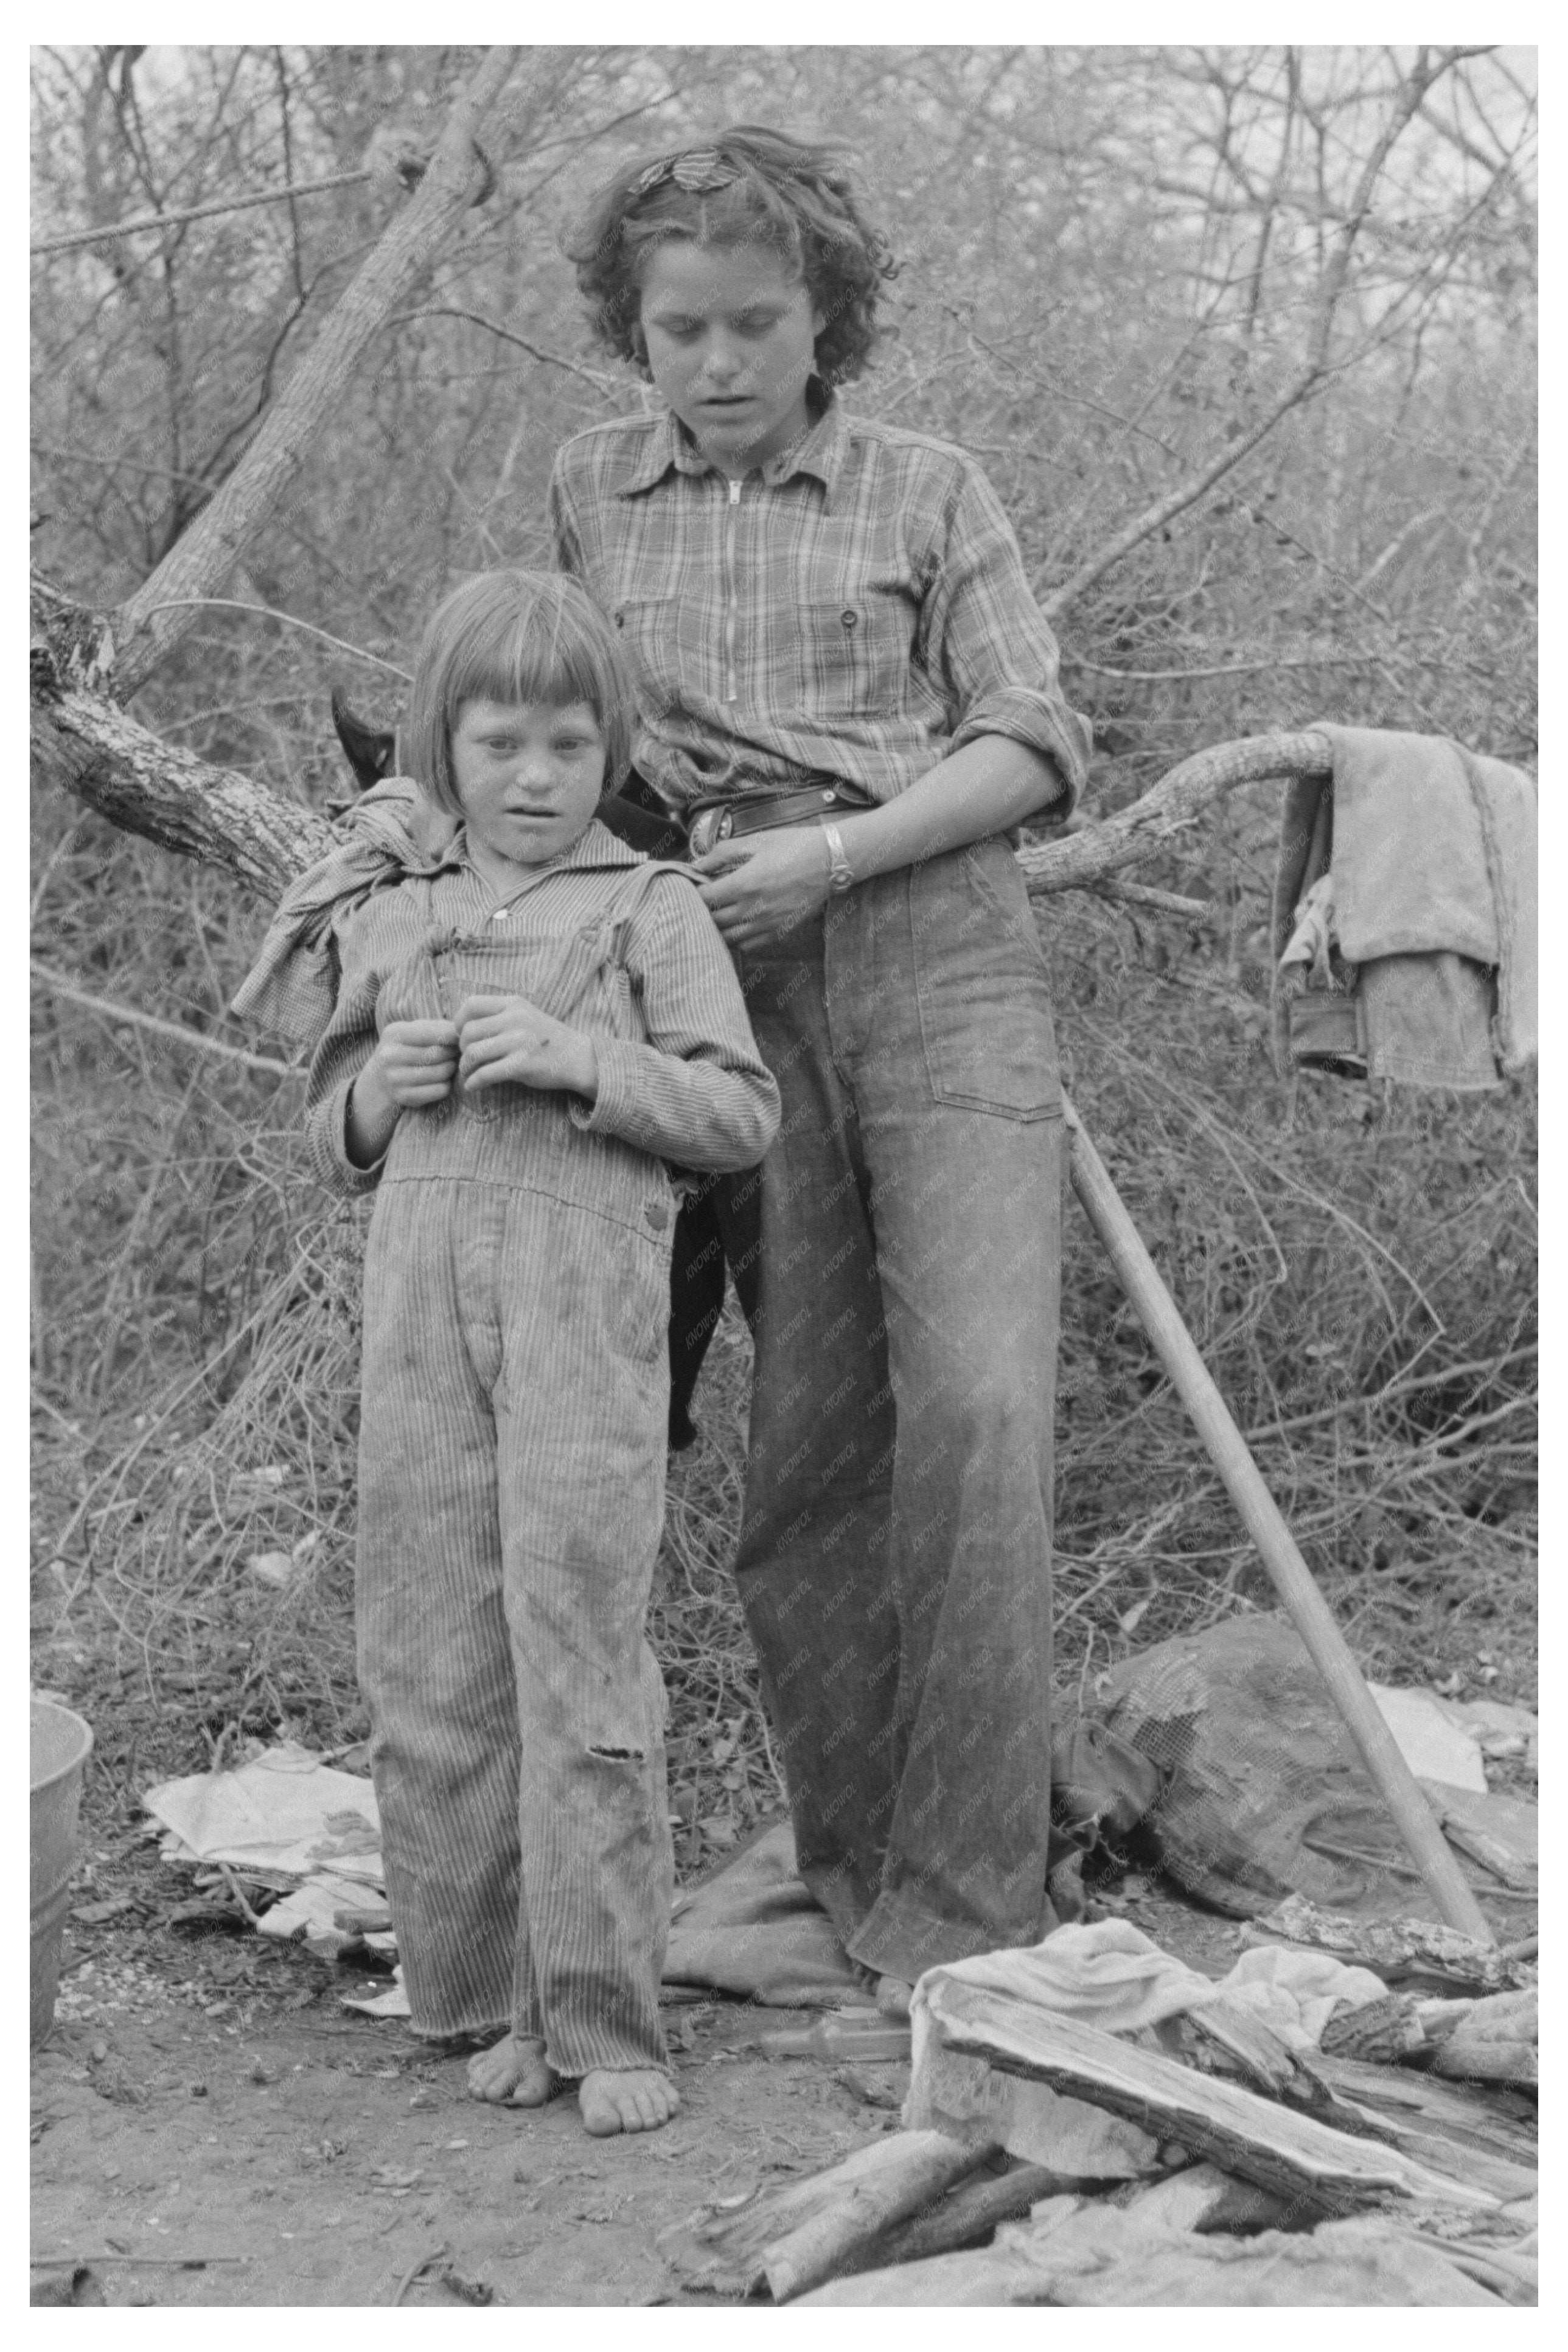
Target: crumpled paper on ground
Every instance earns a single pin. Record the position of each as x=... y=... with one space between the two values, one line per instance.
x=284 y=1811
x=284 y=1814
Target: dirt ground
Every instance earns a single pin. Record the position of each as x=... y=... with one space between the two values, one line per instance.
x=317 y=2156
x=206 y=2094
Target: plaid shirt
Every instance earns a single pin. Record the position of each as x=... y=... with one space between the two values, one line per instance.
x=859 y=609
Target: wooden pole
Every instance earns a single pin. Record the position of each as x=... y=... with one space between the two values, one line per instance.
x=1289 y=1572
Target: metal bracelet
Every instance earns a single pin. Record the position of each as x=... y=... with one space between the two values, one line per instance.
x=840 y=876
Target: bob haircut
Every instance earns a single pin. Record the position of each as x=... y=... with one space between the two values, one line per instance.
x=515 y=637
x=796 y=202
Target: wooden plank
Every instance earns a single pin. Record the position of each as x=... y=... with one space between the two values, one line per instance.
x=1418 y=2131
x=1472 y=2117
x=1279 y=2148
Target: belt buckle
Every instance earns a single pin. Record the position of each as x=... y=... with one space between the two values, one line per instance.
x=709 y=828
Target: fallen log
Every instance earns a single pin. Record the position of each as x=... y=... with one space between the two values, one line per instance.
x=1493 y=2039
x=1394 y=1949
x=909 y=2170
x=801 y=2229
x=1496 y=2040
x=966 y=2216
x=1280 y=2149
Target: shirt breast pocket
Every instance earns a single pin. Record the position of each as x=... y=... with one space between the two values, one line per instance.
x=842 y=658
x=672 y=652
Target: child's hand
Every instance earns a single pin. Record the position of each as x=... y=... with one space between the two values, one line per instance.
x=507 y=1041
x=755 y=891
x=415 y=1062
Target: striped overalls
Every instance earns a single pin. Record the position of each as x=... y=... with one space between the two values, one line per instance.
x=512 y=1450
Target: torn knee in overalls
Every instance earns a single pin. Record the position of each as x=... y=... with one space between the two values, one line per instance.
x=616 y=1755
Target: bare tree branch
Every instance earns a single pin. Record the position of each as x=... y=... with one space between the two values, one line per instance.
x=59 y=985
x=200 y=561
x=602 y=381
x=195 y=212
x=1308 y=379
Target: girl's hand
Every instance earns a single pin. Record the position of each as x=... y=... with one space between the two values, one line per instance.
x=507 y=1041
x=764 y=884
x=414 y=1064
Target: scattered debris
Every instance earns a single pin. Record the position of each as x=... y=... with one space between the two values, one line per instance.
x=861 y=2087
x=275 y=1568
x=93 y=1915
x=1059 y=2097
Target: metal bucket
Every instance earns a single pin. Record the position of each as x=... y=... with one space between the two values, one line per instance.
x=61 y=1743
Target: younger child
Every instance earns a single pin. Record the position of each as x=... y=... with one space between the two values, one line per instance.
x=531 y=1020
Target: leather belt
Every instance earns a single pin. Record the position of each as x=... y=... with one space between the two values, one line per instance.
x=710 y=822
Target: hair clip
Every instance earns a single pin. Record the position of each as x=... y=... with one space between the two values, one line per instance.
x=699 y=172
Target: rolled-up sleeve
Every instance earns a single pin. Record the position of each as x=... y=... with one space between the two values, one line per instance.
x=986 y=641
x=697 y=1092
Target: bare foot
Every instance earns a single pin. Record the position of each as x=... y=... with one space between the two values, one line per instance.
x=512 y=2074
x=635 y=2100
x=893 y=1997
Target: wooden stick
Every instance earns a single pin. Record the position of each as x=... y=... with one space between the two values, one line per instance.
x=1288 y=1571
x=143 y=2262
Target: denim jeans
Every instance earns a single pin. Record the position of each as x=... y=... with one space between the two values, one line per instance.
x=894 y=1559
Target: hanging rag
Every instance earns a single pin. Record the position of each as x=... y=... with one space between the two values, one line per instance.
x=390 y=831
x=1405 y=914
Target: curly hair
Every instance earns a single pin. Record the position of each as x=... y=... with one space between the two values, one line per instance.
x=797 y=200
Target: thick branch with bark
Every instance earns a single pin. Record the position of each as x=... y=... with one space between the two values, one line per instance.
x=1168 y=811
x=87 y=747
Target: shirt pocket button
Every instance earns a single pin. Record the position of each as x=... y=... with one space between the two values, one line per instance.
x=849 y=617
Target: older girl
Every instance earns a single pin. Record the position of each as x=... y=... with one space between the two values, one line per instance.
x=845 y=689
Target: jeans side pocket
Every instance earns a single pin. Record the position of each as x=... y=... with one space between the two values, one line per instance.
x=981 y=986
